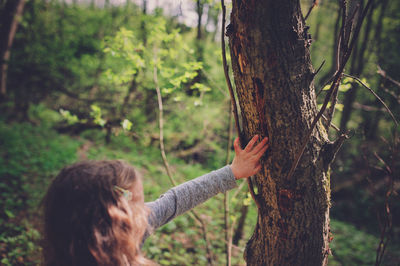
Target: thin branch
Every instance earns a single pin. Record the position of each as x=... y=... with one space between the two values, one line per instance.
x=383 y=162
x=392 y=94
x=358 y=27
x=331 y=111
x=319 y=68
x=326 y=83
x=161 y=128
x=192 y=213
x=383 y=74
x=315 y=3
x=342 y=47
x=376 y=96
x=385 y=222
x=228 y=80
x=228 y=235
x=238 y=190
x=332 y=124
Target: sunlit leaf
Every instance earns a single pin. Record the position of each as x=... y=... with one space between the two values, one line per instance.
x=126 y=125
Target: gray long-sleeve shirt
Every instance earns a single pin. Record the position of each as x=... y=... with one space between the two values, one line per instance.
x=188 y=195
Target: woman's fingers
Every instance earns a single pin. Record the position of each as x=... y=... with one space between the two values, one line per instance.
x=260 y=146
x=236 y=145
x=250 y=145
x=262 y=151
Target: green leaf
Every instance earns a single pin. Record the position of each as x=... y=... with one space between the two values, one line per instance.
x=344 y=87
x=339 y=107
x=96 y=115
x=126 y=124
x=71 y=119
x=9 y=213
x=200 y=87
x=327 y=87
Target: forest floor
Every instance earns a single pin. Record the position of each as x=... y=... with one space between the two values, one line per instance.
x=32 y=155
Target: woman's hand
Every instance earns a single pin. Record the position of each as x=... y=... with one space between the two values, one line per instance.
x=247 y=162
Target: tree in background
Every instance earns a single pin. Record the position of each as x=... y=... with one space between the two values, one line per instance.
x=11 y=12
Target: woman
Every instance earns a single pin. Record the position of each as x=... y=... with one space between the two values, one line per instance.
x=94 y=212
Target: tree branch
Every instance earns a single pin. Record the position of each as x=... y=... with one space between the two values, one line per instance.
x=384 y=75
x=330 y=150
x=228 y=234
x=315 y=3
x=332 y=124
x=376 y=96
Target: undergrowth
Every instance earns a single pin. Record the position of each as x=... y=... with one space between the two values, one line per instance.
x=32 y=155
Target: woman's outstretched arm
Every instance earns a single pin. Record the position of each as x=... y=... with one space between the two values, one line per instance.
x=186 y=196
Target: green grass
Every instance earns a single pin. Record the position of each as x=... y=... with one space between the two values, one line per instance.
x=29 y=157
x=32 y=155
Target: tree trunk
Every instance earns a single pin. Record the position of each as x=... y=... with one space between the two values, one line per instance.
x=199 y=9
x=274 y=83
x=244 y=210
x=11 y=13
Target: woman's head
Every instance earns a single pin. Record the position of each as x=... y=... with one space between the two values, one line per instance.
x=88 y=221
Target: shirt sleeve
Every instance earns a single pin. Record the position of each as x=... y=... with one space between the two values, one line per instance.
x=186 y=196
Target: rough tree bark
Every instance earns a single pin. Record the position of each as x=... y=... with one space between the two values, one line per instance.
x=274 y=83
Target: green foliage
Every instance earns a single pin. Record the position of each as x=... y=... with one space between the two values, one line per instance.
x=21 y=248
x=29 y=156
x=178 y=243
x=96 y=115
x=351 y=246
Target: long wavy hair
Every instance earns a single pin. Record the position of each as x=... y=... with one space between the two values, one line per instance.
x=88 y=222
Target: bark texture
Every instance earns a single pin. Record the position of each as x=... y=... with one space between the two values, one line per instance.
x=274 y=83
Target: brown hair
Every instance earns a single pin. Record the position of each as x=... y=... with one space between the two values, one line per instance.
x=88 y=222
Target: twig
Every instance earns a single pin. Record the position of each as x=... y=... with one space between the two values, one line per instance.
x=319 y=68
x=331 y=109
x=228 y=80
x=161 y=128
x=193 y=214
x=315 y=3
x=228 y=235
x=383 y=74
x=385 y=223
x=383 y=162
x=342 y=47
x=392 y=94
x=232 y=95
x=323 y=86
x=358 y=27
x=376 y=96
x=238 y=190
x=332 y=124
